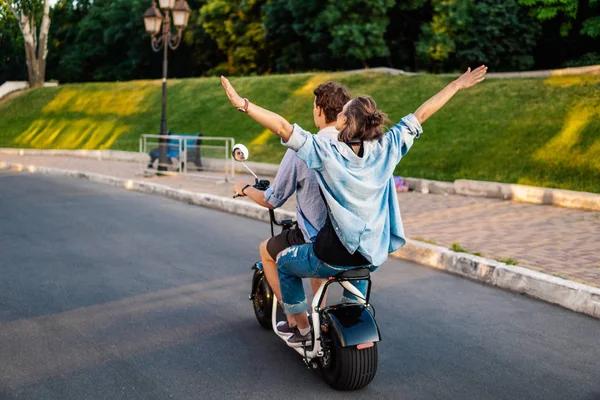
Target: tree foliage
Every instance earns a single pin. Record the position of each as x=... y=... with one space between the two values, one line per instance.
x=12 y=56
x=237 y=28
x=501 y=34
x=327 y=33
x=438 y=38
x=568 y=11
x=357 y=28
x=97 y=40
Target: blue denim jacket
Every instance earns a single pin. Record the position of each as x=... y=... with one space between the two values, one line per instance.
x=293 y=176
x=360 y=192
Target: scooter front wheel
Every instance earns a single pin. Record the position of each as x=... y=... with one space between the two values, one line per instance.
x=262 y=299
x=348 y=368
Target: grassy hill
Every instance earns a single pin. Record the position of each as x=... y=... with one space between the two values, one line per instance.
x=543 y=132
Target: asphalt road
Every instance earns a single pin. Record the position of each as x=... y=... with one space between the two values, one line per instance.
x=109 y=294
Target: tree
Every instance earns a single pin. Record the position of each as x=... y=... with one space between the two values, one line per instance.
x=406 y=18
x=66 y=16
x=357 y=28
x=237 y=28
x=438 y=38
x=571 y=29
x=568 y=12
x=501 y=34
x=110 y=44
x=327 y=34
x=287 y=52
x=12 y=57
x=28 y=14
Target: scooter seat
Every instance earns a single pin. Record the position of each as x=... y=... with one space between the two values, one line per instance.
x=358 y=273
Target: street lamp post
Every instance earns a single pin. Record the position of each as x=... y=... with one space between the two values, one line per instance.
x=159 y=28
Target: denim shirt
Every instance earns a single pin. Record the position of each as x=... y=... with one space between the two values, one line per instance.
x=360 y=192
x=294 y=176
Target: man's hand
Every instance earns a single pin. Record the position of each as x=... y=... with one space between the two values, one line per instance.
x=235 y=98
x=237 y=188
x=471 y=78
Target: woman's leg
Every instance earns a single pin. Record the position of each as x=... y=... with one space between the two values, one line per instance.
x=316 y=283
x=296 y=263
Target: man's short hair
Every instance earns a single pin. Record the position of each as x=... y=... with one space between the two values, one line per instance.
x=331 y=97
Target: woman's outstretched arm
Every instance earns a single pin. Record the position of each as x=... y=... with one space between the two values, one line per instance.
x=273 y=122
x=466 y=80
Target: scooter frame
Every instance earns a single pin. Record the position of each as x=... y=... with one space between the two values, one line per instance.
x=317 y=349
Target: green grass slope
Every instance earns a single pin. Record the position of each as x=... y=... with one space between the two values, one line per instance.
x=543 y=132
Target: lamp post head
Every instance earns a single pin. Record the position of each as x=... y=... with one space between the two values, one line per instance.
x=166 y=4
x=153 y=20
x=181 y=14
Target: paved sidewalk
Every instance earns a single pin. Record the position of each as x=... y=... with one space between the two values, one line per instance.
x=557 y=241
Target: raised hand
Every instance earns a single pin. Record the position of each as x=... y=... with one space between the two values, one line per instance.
x=235 y=98
x=471 y=78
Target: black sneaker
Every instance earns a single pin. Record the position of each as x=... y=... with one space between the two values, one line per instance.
x=297 y=340
x=285 y=329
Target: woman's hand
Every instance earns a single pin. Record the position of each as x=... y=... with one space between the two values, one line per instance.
x=471 y=78
x=466 y=80
x=235 y=98
x=273 y=122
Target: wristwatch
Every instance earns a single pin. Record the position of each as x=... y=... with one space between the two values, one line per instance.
x=245 y=108
x=244 y=188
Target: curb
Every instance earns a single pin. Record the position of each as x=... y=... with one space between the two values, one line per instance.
x=495 y=190
x=546 y=73
x=570 y=295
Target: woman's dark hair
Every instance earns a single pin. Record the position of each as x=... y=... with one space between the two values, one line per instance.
x=365 y=121
x=331 y=97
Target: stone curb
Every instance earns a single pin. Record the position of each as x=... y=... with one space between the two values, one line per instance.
x=568 y=294
x=546 y=73
x=529 y=194
x=505 y=191
x=571 y=295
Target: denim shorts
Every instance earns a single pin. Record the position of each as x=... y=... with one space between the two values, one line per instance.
x=297 y=262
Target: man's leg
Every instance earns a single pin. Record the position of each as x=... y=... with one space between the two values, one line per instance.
x=270 y=269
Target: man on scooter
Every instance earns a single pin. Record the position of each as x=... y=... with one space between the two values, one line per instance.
x=292 y=177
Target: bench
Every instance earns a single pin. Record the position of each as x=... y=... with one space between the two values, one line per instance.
x=175 y=148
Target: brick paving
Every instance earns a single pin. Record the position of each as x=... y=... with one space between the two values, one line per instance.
x=557 y=241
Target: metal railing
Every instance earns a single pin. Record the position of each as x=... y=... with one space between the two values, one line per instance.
x=195 y=155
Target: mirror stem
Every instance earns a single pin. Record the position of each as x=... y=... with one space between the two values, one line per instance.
x=249 y=170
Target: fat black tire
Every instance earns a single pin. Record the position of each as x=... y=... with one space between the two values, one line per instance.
x=262 y=301
x=348 y=368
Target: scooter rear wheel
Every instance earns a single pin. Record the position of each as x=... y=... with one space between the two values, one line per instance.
x=348 y=368
x=262 y=300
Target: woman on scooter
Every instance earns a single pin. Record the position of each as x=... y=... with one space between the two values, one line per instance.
x=356 y=179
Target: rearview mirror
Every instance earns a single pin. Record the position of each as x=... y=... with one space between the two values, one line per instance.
x=240 y=152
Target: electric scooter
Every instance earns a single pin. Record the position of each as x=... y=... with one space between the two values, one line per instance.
x=345 y=335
